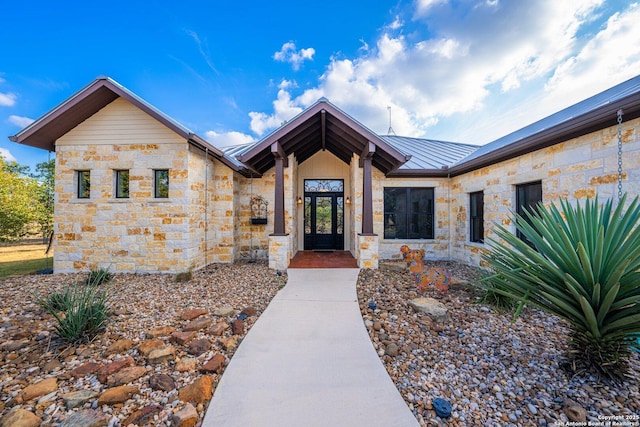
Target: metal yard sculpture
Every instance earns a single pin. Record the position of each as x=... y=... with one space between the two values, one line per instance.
x=434 y=277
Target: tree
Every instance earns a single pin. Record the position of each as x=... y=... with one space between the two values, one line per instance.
x=17 y=193
x=45 y=173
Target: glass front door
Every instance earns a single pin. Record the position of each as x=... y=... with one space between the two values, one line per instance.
x=323 y=215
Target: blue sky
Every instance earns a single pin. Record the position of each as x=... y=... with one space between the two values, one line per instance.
x=456 y=70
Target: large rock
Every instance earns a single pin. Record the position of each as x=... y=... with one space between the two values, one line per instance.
x=182 y=338
x=161 y=355
x=431 y=307
x=225 y=311
x=186 y=364
x=228 y=343
x=85 y=369
x=161 y=331
x=162 y=382
x=78 y=398
x=215 y=364
x=18 y=417
x=119 y=346
x=144 y=416
x=193 y=313
x=196 y=325
x=87 y=418
x=198 y=347
x=112 y=368
x=148 y=346
x=237 y=327
x=199 y=391
x=185 y=417
x=40 y=389
x=117 y=395
x=126 y=375
x=219 y=328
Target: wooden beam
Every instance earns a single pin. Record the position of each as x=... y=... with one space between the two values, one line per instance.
x=278 y=153
x=278 y=211
x=323 y=131
x=367 y=153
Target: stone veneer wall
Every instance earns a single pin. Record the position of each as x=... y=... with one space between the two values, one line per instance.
x=140 y=233
x=575 y=169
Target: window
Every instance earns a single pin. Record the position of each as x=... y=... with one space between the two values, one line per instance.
x=476 y=217
x=161 y=179
x=122 y=184
x=408 y=213
x=527 y=197
x=84 y=184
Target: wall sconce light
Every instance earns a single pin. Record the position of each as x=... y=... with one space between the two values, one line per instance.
x=299 y=200
x=348 y=201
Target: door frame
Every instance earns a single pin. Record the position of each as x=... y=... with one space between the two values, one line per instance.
x=336 y=240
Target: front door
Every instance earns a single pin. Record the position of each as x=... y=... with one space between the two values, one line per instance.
x=323 y=215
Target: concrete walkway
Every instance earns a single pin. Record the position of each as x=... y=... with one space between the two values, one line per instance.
x=308 y=361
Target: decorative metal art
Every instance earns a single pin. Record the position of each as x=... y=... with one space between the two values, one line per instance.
x=323 y=185
x=434 y=277
x=258 y=210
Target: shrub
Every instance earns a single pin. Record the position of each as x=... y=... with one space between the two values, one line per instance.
x=583 y=266
x=184 y=276
x=98 y=277
x=491 y=295
x=59 y=301
x=85 y=314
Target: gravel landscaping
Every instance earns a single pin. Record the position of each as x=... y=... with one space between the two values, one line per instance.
x=157 y=363
x=168 y=342
x=492 y=372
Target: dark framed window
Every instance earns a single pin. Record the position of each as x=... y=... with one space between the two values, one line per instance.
x=84 y=184
x=122 y=184
x=527 y=198
x=476 y=217
x=161 y=183
x=408 y=213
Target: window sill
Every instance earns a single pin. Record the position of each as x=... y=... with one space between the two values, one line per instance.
x=81 y=201
x=120 y=200
x=475 y=244
x=160 y=200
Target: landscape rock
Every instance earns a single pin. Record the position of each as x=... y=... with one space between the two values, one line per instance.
x=225 y=311
x=249 y=311
x=126 y=375
x=119 y=346
x=148 y=346
x=193 y=313
x=199 y=391
x=182 y=338
x=162 y=382
x=237 y=327
x=78 y=398
x=52 y=366
x=391 y=350
x=87 y=418
x=185 y=417
x=86 y=369
x=161 y=331
x=197 y=324
x=215 y=364
x=186 y=364
x=18 y=417
x=575 y=412
x=228 y=343
x=161 y=355
x=113 y=367
x=143 y=416
x=431 y=307
x=218 y=329
x=117 y=395
x=198 y=347
x=40 y=389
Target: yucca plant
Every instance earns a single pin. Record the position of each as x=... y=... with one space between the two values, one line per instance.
x=98 y=277
x=584 y=267
x=86 y=311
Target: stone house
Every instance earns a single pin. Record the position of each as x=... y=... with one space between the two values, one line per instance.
x=138 y=192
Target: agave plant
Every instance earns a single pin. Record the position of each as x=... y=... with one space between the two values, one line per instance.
x=583 y=265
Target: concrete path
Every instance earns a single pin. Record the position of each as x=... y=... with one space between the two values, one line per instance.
x=308 y=361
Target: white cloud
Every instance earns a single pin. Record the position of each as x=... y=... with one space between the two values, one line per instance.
x=227 y=139
x=7 y=99
x=20 y=121
x=6 y=154
x=288 y=53
x=446 y=69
